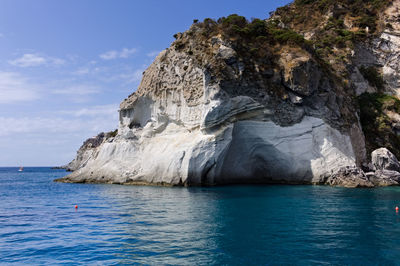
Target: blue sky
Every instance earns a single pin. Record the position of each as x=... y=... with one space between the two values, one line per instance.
x=66 y=65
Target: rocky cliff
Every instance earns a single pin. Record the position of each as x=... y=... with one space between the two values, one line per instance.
x=266 y=101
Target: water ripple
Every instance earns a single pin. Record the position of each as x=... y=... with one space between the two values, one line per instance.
x=235 y=225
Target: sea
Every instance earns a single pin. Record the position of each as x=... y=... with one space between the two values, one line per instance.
x=231 y=225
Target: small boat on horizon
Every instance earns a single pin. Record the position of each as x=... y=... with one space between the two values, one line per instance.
x=21 y=169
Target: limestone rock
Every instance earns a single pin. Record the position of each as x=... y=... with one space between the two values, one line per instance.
x=360 y=84
x=350 y=177
x=184 y=127
x=386 y=49
x=383 y=159
x=86 y=151
x=209 y=112
x=301 y=74
x=384 y=178
x=227 y=54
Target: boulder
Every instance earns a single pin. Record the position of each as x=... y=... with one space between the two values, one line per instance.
x=350 y=177
x=384 y=178
x=383 y=159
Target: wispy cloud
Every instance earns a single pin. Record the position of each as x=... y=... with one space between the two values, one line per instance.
x=124 y=53
x=153 y=54
x=16 y=88
x=137 y=75
x=48 y=126
x=33 y=60
x=28 y=60
x=97 y=110
x=129 y=77
x=82 y=71
x=88 y=68
x=78 y=90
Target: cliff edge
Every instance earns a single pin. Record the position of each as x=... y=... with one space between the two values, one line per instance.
x=283 y=100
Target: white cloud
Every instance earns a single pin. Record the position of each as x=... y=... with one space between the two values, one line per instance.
x=11 y=125
x=55 y=61
x=32 y=60
x=28 y=60
x=15 y=88
x=124 y=53
x=129 y=77
x=109 y=55
x=82 y=71
x=137 y=75
x=48 y=140
x=50 y=128
x=97 y=110
x=77 y=90
x=153 y=54
x=89 y=120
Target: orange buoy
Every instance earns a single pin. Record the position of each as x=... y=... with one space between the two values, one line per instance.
x=76 y=206
x=397 y=209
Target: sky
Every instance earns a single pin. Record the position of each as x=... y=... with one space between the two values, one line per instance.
x=66 y=65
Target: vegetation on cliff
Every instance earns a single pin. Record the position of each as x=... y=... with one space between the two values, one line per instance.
x=334 y=27
x=323 y=31
x=374 y=78
x=328 y=32
x=362 y=13
x=258 y=46
x=378 y=115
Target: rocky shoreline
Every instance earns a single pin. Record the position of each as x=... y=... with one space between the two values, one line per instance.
x=384 y=170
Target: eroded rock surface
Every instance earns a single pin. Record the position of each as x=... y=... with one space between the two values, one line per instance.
x=350 y=177
x=383 y=159
x=212 y=137
x=87 y=151
x=208 y=112
x=384 y=178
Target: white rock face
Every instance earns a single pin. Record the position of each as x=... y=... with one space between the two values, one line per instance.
x=383 y=159
x=230 y=142
x=181 y=128
x=87 y=151
x=244 y=152
x=387 y=50
x=265 y=152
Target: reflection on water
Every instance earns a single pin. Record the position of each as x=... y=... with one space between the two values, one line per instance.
x=167 y=225
x=249 y=225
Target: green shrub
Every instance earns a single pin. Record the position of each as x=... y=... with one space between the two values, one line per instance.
x=112 y=134
x=287 y=36
x=234 y=19
x=257 y=27
x=376 y=124
x=373 y=77
x=367 y=21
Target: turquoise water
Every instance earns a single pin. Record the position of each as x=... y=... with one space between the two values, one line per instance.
x=236 y=225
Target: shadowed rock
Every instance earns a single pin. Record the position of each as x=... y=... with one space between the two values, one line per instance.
x=383 y=159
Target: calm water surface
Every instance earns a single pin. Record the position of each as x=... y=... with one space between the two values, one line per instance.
x=250 y=225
